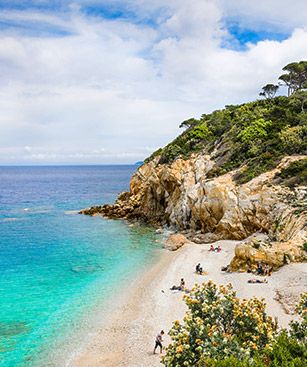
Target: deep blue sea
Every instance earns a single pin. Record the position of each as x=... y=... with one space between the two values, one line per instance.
x=57 y=268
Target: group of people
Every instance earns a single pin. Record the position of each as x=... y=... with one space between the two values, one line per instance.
x=264 y=269
x=215 y=249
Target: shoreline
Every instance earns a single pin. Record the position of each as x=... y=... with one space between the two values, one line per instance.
x=108 y=344
x=127 y=338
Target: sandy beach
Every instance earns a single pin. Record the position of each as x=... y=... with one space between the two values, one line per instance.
x=149 y=305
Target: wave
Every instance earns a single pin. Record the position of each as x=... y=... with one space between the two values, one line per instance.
x=10 y=219
x=71 y=212
x=38 y=209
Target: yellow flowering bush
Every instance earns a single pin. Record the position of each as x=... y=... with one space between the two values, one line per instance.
x=299 y=328
x=217 y=325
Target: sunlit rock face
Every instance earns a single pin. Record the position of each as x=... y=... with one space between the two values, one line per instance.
x=181 y=195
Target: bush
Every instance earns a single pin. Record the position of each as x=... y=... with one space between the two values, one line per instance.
x=219 y=330
x=293 y=138
x=295 y=173
x=256 y=129
x=287 y=352
x=154 y=155
x=229 y=362
x=219 y=325
x=255 y=135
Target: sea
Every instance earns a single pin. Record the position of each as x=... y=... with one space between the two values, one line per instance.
x=59 y=269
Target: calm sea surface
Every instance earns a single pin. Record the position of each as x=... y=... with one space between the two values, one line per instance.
x=57 y=267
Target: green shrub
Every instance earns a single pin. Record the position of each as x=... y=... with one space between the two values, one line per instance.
x=293 y=138
x=255 y=135
x=256 y=129
x=154 y=155
x=229 y=362
x=287 y=352
x=200 y=132
x=295 y=173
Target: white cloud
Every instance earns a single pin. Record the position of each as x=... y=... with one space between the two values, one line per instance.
x=111 y=91
x=278 y=15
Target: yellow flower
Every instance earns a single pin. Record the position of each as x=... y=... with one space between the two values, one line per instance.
x=179 y=349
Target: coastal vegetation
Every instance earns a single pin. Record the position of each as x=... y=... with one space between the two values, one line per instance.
x=183 y=186
x=253 y=136
x=220 y=330
x=295 y=173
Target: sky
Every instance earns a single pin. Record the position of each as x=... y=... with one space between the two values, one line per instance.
x=109 y=82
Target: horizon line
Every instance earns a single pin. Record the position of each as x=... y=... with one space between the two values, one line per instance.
x=66 y=164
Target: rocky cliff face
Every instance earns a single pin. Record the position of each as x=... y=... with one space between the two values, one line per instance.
x=182 y=196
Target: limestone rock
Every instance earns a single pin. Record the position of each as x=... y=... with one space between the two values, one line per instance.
x=204 y=238
x=180 y=195
x=175 y=241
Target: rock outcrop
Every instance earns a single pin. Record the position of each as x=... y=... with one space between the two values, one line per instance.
x=181 y=195
x=175 y=241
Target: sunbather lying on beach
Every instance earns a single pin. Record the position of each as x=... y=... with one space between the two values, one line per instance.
x=257 y=281
x=181 y=287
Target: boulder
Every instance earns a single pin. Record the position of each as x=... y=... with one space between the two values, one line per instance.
x=175 y=241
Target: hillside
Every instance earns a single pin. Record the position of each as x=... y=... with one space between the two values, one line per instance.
x=233 y=173
x=254 y=136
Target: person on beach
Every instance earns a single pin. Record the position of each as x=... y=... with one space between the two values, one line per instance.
x=199 y=269
x=218 y=249
x=180 y=287
x=254 y=281
x=159 y=341
x=266 y=269
x=259 y=268
x=182 y=284
x=212 y=248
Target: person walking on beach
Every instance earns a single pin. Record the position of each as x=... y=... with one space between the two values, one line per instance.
x=159 y=341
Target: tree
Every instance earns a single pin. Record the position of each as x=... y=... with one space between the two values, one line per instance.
x=189 y=123
x=301 y=97
x=295 y=77
x=269 y=91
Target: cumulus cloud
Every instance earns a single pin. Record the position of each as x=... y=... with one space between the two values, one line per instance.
x=97 y=89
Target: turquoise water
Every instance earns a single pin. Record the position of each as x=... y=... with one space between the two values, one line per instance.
x=57 y=267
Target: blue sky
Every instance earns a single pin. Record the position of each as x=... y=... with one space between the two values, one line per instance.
x=110 y=81
x=121 y=10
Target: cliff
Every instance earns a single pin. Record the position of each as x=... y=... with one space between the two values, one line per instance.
x=231 y=174
x=181 y=196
